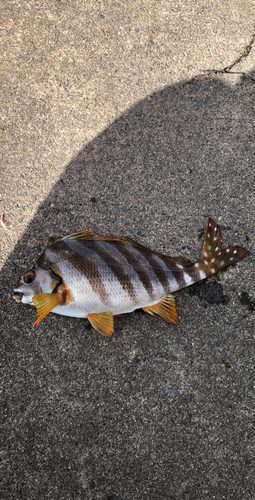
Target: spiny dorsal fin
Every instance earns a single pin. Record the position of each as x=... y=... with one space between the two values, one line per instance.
x=80 y=235
x=89 y=236
x=183 y=261
x=214 y=258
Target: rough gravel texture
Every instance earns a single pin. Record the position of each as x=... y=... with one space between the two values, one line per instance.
x=156 y=412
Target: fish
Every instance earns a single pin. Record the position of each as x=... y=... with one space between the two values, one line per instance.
x=101 y=277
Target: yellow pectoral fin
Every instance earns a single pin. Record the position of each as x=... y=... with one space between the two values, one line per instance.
x=103 y=323
x=166 y=309
x=44 y=303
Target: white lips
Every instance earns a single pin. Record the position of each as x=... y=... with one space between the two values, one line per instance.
x=26 y=299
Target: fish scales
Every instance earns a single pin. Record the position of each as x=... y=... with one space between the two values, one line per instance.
x=123 y=273
x=111 y=280
x=139 y=258
x=119 y=278
x=118 y=275
x=119 y=281
x=83 y=278
x=127 y=270
x=145 y=277
x=133 y=267
x=88 y=268
x=97 y=277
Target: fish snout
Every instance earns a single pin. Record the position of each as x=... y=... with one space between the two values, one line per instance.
x=17 y=296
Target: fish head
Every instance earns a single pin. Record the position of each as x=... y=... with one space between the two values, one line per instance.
x=35 y=281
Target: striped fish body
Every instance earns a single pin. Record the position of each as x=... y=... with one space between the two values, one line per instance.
x=110 y=276
x=84 y=275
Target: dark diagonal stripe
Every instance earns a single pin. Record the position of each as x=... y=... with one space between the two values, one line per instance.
x=84 y=265
x=193 y=272
x=179 y=274
x=137 y=266
x=115 y=267
x=158 y=270
x=176 y=272
x=90 y=271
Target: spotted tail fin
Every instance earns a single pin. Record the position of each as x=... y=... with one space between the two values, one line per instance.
x=214 y=258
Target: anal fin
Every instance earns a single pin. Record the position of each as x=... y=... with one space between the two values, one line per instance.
x=103 y=323
x=147 y=310
x=166 y=309
x=44 y=303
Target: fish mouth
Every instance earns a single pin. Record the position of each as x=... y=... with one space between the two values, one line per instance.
x=17 y=296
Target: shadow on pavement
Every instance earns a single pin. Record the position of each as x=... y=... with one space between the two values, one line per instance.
x=144 y=414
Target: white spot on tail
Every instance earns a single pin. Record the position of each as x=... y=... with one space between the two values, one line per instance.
x=208 y=235
x=209 y=247
x=205 y=254
x=227 y=251
x=196 y=265
x=187 y=279
x=216 y=249
x=212 y=270
x=202 y=275
x=215 y=238
x=206 y=262
x=215 y=229
x=235 y=251
x=213 y=260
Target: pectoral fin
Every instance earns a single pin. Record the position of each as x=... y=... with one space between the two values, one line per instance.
x=44 y=303
x=103 y=323
x=166 y=309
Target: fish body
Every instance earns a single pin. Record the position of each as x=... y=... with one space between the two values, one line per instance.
x=98 y=277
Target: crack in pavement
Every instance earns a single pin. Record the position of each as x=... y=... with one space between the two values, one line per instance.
x=245 y=54
x=242 y=56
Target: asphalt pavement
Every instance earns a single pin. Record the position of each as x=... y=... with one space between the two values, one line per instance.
x=133 y=119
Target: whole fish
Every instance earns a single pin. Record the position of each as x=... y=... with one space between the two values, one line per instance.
x=99 y=277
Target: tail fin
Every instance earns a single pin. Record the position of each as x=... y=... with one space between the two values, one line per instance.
x=214 y=258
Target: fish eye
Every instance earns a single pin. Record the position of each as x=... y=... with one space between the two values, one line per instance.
x=28 y=278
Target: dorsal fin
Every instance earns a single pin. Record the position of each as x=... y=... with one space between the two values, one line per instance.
x=80 y=235
x=183 y=261
x=89 y=236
